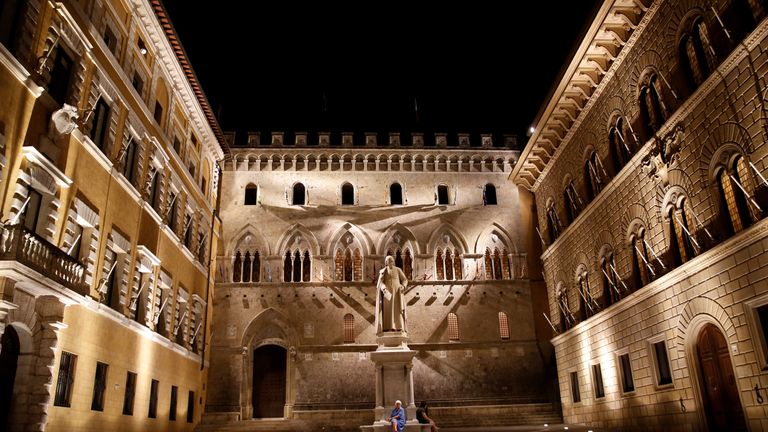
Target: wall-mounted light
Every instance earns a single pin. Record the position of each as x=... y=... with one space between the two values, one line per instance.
x=142 y=47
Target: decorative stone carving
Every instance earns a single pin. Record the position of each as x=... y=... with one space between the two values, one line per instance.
x=663 y=156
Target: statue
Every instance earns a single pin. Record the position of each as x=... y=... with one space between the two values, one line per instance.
x=390 y=303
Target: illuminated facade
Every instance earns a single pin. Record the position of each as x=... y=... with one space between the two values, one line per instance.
x=108 y=188
x=648 y=168
x=309 y=219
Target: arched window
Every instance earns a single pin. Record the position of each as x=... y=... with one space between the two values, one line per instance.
x=457 y=267
x=697 y=54
x=348 y=266
x=652 y=106
x=307 y=268
x=496 y=264
x=566 y=318
x=237 y=267
x=594 y=175
x=553 y=224
x=251 y=195
x=297 y=267
x=736 y=196
x=407 y=265
x=503 y=326
x=573 y=202
x=611 y=290
x=299 y=194
x=683 y=244
x=357 y=265
x=395 y=194
x=247 y=267
x=641 y=264
x=448 y=265
x=442 y=195
x=620 y=148
x=453 y=327
x=349 y=328
x=256 y=267
x=404 y=261
x=347 y=194
x=439 y=265
x=489 y=194
x=586 y=302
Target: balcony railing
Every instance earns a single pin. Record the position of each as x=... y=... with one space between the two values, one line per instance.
x=19 y=244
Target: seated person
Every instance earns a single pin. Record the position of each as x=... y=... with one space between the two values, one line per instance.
x=397 y=417
x=423 y=418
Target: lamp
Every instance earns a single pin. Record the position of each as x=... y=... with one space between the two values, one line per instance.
x=142 y=47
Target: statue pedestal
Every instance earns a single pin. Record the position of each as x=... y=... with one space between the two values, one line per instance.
x=394 y=381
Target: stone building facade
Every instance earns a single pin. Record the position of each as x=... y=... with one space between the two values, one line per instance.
x=648 y=167
x=108 y=186
x=309 y=221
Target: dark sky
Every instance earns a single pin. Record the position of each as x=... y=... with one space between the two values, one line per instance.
x=363 y=66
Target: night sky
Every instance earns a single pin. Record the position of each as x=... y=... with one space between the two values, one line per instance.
x=479 y=67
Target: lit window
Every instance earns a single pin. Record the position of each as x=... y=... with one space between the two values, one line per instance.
x=575 y=393
x=349 y=328
x=503 y=326
x=453 y=327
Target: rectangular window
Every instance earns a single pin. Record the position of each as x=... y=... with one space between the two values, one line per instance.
x=130 y=393
x=153 y=399
x=597 y=380
x=576 y=395
x=627 y=381
x=762 y=323
x=129 y=161
x=110 y=40
x=61 y=75
x=100 y=125
x=442 y=195
x=158 y=113
x=138 y=83
x=99 y=387
x=191 y=407
x=174 y=397
x=177 y=145
x=664 y=374
x=77 y=241
x=66 y=379
x=32 y=210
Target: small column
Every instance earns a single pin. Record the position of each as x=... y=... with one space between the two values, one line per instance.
x=379 y=388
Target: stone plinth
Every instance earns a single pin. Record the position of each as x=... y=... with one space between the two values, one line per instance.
x=394 y=380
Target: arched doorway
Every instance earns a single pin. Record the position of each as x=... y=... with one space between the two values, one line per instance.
x=269 y=377
x=9 y=357
x=720 y=393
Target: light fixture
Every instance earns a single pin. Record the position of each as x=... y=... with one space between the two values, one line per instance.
x=142 y=47
x=531 y=130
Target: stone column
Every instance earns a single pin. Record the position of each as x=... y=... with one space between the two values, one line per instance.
x=50 y=312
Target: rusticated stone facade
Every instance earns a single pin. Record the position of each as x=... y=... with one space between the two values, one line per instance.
x=651 y=200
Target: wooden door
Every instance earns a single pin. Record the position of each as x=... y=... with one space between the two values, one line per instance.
x=9 y=357
x=269 y=369
x=722 y=404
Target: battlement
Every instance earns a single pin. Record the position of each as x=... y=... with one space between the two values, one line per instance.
x=277 y=139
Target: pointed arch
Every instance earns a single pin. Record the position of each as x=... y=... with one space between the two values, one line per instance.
x=257 y=241
x=404 y=239
x=293 y=234
x=454 y=237
x=360 y=237
x=485 y=239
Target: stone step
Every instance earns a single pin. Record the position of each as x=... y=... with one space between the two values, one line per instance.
x=265 y=425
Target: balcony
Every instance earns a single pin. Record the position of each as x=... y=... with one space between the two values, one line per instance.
x=19 y=244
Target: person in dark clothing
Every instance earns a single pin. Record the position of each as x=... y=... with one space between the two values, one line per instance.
x=423 y=417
